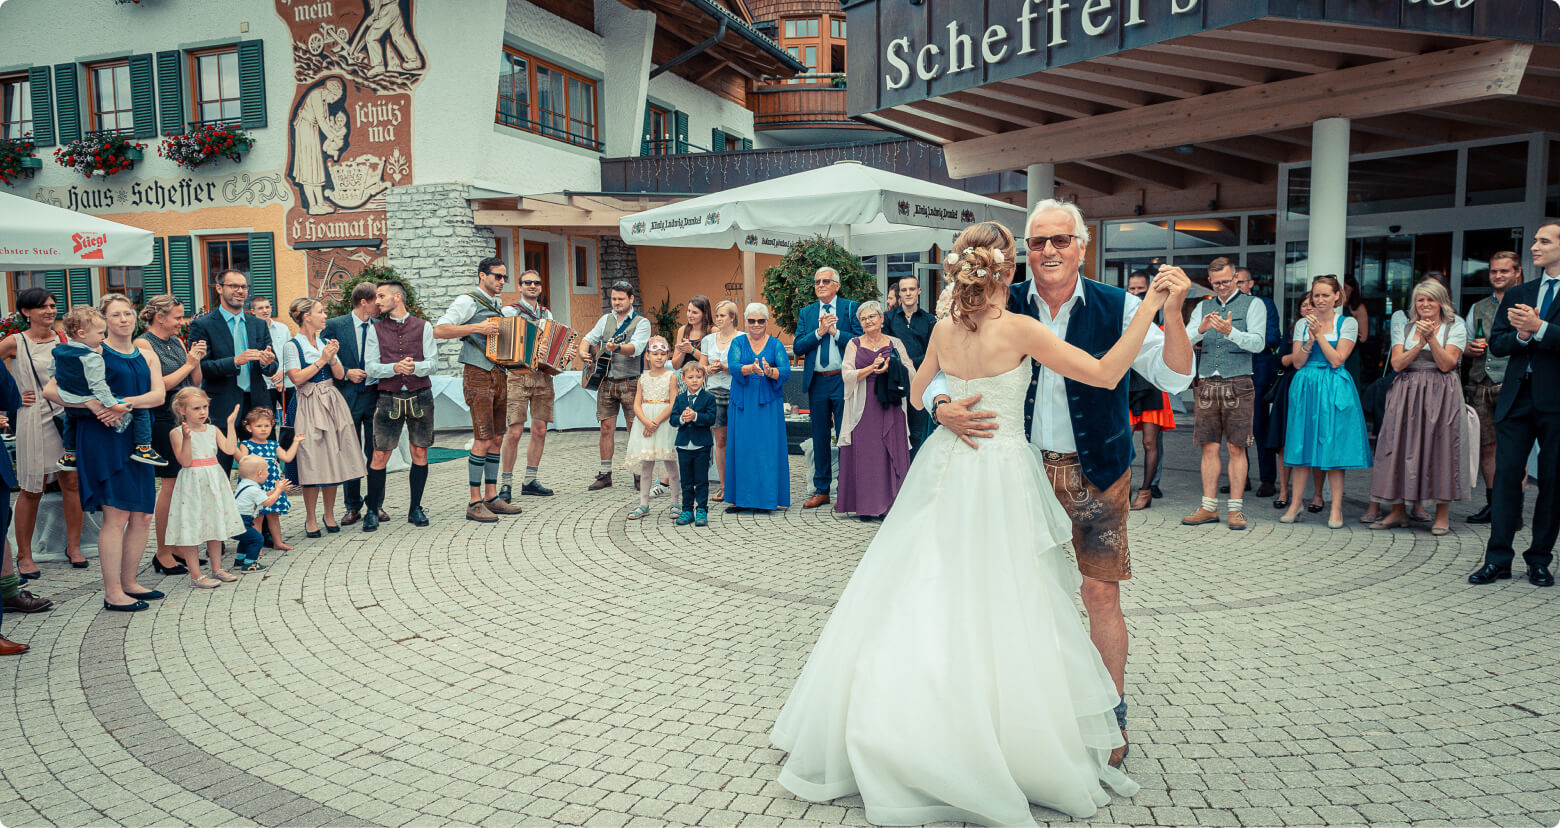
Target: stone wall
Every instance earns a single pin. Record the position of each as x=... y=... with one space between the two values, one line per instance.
x=619 y=263
x=434 y=245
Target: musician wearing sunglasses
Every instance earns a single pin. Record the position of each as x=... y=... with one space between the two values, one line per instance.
x=623 y=334
x=823 y=329
x=1083 y=432
x=530 y=392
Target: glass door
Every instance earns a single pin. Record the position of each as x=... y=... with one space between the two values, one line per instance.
x=1478 y=246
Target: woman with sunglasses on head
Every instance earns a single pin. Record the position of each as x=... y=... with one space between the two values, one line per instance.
x=712 y=352
x=755 y=418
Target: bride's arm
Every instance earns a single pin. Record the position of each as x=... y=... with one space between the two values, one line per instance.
x=1076 y=364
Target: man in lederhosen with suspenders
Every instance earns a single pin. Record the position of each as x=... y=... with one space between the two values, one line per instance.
x=399 y=355
x=625 y=334
x=529 y=392
x=472 y=318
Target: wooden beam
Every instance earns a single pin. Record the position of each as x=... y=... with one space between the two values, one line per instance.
x=944 y=111
x=1088 y=90
x=1293 y=34
x=1212 y=162
x=1141 y=169
x=1158 y=83
x=1424 y=127
x=1095 y=181
x=551 y=217
x=1309 y=61
x=710 y=73
x=1213 y=71
x=1009 y=111
x=914 y=126
x=1467 y=73
x=1255 y=148
x=1013 y=90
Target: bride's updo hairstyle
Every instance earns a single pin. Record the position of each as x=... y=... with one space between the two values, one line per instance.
x=982 y=256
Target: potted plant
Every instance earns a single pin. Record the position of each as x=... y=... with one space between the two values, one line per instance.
x=666 y=317
x=104 y=153
x=788 y=286
x=338 y=299
x=205 y=142
x=17 y=159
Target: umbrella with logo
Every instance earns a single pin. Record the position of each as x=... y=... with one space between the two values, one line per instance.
x=38 y=236
x=869 y=211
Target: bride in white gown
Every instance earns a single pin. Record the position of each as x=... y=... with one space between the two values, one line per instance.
x=955 y=679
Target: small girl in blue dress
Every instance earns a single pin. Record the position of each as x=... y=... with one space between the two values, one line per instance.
x=260 y=422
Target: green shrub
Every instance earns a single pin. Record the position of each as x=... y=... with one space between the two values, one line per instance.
x=788 y=286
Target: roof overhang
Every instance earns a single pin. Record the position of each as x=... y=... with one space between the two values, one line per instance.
x=580 y=214
x=1157 y=94
x=738 y=46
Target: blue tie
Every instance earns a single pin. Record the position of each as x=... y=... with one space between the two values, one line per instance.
x=826 y=353
x=362 y=344
x=240 y=345
x=1548 y=299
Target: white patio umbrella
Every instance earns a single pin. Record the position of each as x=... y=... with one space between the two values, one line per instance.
x=38 y=236
x=869 y=211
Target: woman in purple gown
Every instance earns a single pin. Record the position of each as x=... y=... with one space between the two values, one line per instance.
x=874 y=440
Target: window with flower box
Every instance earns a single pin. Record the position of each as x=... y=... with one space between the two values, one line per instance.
x=548 y=100
x=215 y=87
x=108 y=97
x=16 y=117
x=125 y=280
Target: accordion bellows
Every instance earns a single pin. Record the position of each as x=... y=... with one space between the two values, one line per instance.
x=539 y=346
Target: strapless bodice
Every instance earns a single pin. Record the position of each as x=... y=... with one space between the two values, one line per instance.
x=1003 y=394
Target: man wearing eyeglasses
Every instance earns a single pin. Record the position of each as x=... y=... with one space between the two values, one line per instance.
x=823 y=329
x=1083 y=433
x=239 y=354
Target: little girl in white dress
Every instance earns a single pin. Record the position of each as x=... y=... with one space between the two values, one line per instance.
x=649 y=437
x=202 y=509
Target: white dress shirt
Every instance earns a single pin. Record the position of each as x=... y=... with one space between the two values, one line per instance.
x=836 y=359
x=638 y=332
x=1053 y=429
x=279 y=336
x=378 y=370
x=1453 y=334
x=464 y=307
x=311 y=354
x=1544 y=283
x=1253 y=339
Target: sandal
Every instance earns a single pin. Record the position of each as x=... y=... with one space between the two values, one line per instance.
x=224 y=576
x=638 y=512
x=1384 y=524
x=719 y=495
x=205 y=582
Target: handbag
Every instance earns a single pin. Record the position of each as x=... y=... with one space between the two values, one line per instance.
x=59 y=418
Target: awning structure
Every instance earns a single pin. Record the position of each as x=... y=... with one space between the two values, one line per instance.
x=705 y=36
x=38 y=236
x=578 y=214
x=1164 y=94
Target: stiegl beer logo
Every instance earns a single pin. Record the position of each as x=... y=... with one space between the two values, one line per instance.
x=88 y=245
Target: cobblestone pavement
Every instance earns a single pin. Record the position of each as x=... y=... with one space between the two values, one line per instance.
x=568 y=666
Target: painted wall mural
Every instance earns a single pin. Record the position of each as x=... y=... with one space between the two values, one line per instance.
x=355 y=64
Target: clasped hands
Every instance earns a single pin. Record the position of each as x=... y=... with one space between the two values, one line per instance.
x=762 y=366
x=1525 y=319
x=248 y=355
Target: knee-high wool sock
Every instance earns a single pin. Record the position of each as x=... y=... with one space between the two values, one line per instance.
x=475 y=463
x=492 y=470
x=376 y=490
x=419 y=482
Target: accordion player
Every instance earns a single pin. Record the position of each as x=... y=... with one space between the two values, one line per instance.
x=538 y=346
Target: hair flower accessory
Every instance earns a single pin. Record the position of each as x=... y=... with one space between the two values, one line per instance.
x=996 y=256
x=981 y=273
x=953 y=259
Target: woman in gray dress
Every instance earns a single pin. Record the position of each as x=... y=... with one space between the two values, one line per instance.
x=180 y=367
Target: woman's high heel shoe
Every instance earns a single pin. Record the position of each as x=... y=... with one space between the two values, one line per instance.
x=176 y=569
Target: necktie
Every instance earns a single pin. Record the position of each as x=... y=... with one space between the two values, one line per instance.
x=362 y=343
x=1548 y=299
x=826 y=353
x=240 y=344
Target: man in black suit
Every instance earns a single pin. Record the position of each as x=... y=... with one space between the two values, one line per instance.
x=239 y=355
x=1527 y=329
x=351 y=330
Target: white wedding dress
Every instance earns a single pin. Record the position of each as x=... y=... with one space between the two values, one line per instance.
x=955 y=679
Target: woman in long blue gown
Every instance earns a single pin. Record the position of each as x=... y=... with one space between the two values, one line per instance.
x=758 y=475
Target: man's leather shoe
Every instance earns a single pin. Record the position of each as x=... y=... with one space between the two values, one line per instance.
x=1267 y=490
x=1488 y=574
x=1142 y=500
x=603 y=480
x=502 y=507
x=1237 y=520
x=815 y=501
x=1200 y=517
x=1484 y=515
x=383 y=516
x=504 y=493
x=26 y=602
x=478 y=512
x=536 y=489
x=352 y=516
x=11 y=648
x=1539 y=576
x=370 y=521
x=417 y=517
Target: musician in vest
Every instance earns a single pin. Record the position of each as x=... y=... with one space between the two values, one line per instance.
x=624 y=334
x=399 y=355
x=1083 y=432
x=472 y=318
x=529 y=392
x=1230 y=326
x=1487 y=372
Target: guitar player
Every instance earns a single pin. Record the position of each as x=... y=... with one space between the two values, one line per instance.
x=623 y=334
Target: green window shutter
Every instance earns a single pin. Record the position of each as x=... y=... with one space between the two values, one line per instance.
x=747 y=143
x=65 y=80
x=262 y=266
x=681 y=121
x=646 y=147
x=154 y=277
x=143 y=96
x=717 y=141
x=38 y=80
x=80 y=279
x=181 y=271
x=55 y=281
x=170 y=91
x=251 y=83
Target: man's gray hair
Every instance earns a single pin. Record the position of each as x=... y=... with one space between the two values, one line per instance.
x=871 y=306
x=1080 y=226
x=832 y=272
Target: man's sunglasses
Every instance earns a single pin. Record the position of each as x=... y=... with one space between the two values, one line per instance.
x=823 y=281
x=1060 y=242
x=531 y=282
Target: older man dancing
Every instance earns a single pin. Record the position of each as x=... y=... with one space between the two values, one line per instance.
x=1083 y=431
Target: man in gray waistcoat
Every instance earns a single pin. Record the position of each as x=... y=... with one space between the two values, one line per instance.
x=624 y=334
x=1487 y=372
x=1230 y=326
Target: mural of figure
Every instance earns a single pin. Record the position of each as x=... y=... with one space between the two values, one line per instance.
x=315 y=134
x=384 y=19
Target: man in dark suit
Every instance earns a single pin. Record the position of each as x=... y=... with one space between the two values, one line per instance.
x=239 y=355
x=823 y=330
x=1264 y=373
x=1527 y=330
x=351 y=330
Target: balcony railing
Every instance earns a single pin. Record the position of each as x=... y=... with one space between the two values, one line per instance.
x=801 y=106
x=670 y=146
x=511 y=119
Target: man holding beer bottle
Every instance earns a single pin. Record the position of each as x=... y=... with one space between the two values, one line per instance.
x=1486 y=371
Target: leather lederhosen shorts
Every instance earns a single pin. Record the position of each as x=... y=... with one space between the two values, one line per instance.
x=1099 y=518
x=1225 y=410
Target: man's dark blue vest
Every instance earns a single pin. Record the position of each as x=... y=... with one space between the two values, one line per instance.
x=1099 y=415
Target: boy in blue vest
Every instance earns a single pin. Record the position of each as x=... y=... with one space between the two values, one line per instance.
x=692 y=415
x=79 y=376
